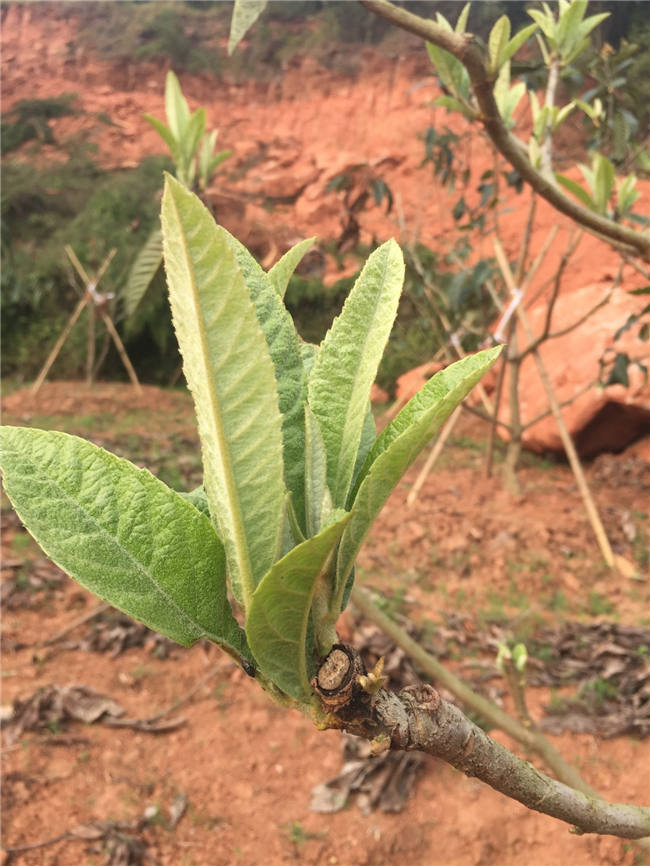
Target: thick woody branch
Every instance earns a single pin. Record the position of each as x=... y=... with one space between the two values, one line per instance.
x=464 y=47
x=418 y=718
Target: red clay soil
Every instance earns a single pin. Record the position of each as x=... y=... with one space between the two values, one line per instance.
x=247 y=766
x=290 y=136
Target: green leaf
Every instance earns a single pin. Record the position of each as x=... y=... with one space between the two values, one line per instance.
x=346 y=366
x=193 y=135
x=230 y=374
x=144 y=269
x=545 y=22
x=176 y=108
x=318 y=499
x=516 y=42
x=497 y=42
x=284 y=347
x=368 y=439
x=452 y=104
x=603 y=182
x=278 y=619
x=568 y=24
x=167 y=136
x=122 y=534
x=398 y=446
x=244 y=14
x=450 y=70
x=282 y=270
x=199 y=499
x=461 y=24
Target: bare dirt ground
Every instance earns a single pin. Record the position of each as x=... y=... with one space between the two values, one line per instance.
x=247 y=767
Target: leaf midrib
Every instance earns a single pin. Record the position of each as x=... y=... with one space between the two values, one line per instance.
x=216 y=417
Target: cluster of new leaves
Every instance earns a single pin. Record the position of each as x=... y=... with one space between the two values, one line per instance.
x=562 y=35
x=294 y=473
x=193 y=150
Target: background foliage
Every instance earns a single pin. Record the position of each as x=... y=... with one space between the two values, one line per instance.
x=48 y=203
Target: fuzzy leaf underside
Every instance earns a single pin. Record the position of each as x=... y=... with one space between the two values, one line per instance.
x=346 y=366
x=144 y=269
x=284 y=347
x=245 y=13
x=278 y=618
x=230 y=374
x=282 y=271
x=122 y=534
x=176 y=107
x=315 y=474
x=399 y=445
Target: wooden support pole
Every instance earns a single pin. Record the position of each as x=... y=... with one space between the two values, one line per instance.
x=122 y=351
x=567 y=441
x=51 y=358
x=436 y=451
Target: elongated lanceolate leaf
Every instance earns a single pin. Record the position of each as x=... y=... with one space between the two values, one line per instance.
x=318 y=499
x=278 y=617
x=283 y=269
x=346 y=366
x=144 y=269
x=284 y=347
x=368 y=439
x=398 y=446
x=244 y=14
x=230 y=374
x=167 y=136
x=176 y=107
x=122 y=534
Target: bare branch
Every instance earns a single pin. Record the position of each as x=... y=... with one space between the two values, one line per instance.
x=564 y=403
x=418 y=718
x=572 y=246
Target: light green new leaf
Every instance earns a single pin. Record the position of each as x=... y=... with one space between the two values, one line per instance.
x=368 y=439
x=283 y=269
x=176 y=107
x=199 y=499
x=604 y=177
x=452 y=104
x=398 y=446
x=346 y=366
x=516 y=42
x=122 y=534
x=193 y=135
x=230 y=374
x=284 y=347
x=278 y=619
x=461 y=24
x=167 y=136
x=244 y=14
x=144 y=269
x=497 y=42
x=451 y=71
x=318 y=500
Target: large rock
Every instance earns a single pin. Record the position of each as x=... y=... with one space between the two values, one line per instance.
x=600 y=419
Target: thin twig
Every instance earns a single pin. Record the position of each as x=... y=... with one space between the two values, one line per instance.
x=82 y=620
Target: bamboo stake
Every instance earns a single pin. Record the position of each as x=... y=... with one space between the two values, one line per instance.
x=567 y=441
x=51 y=358
x=90 y=345
x=444 y=434
x=122 y=351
